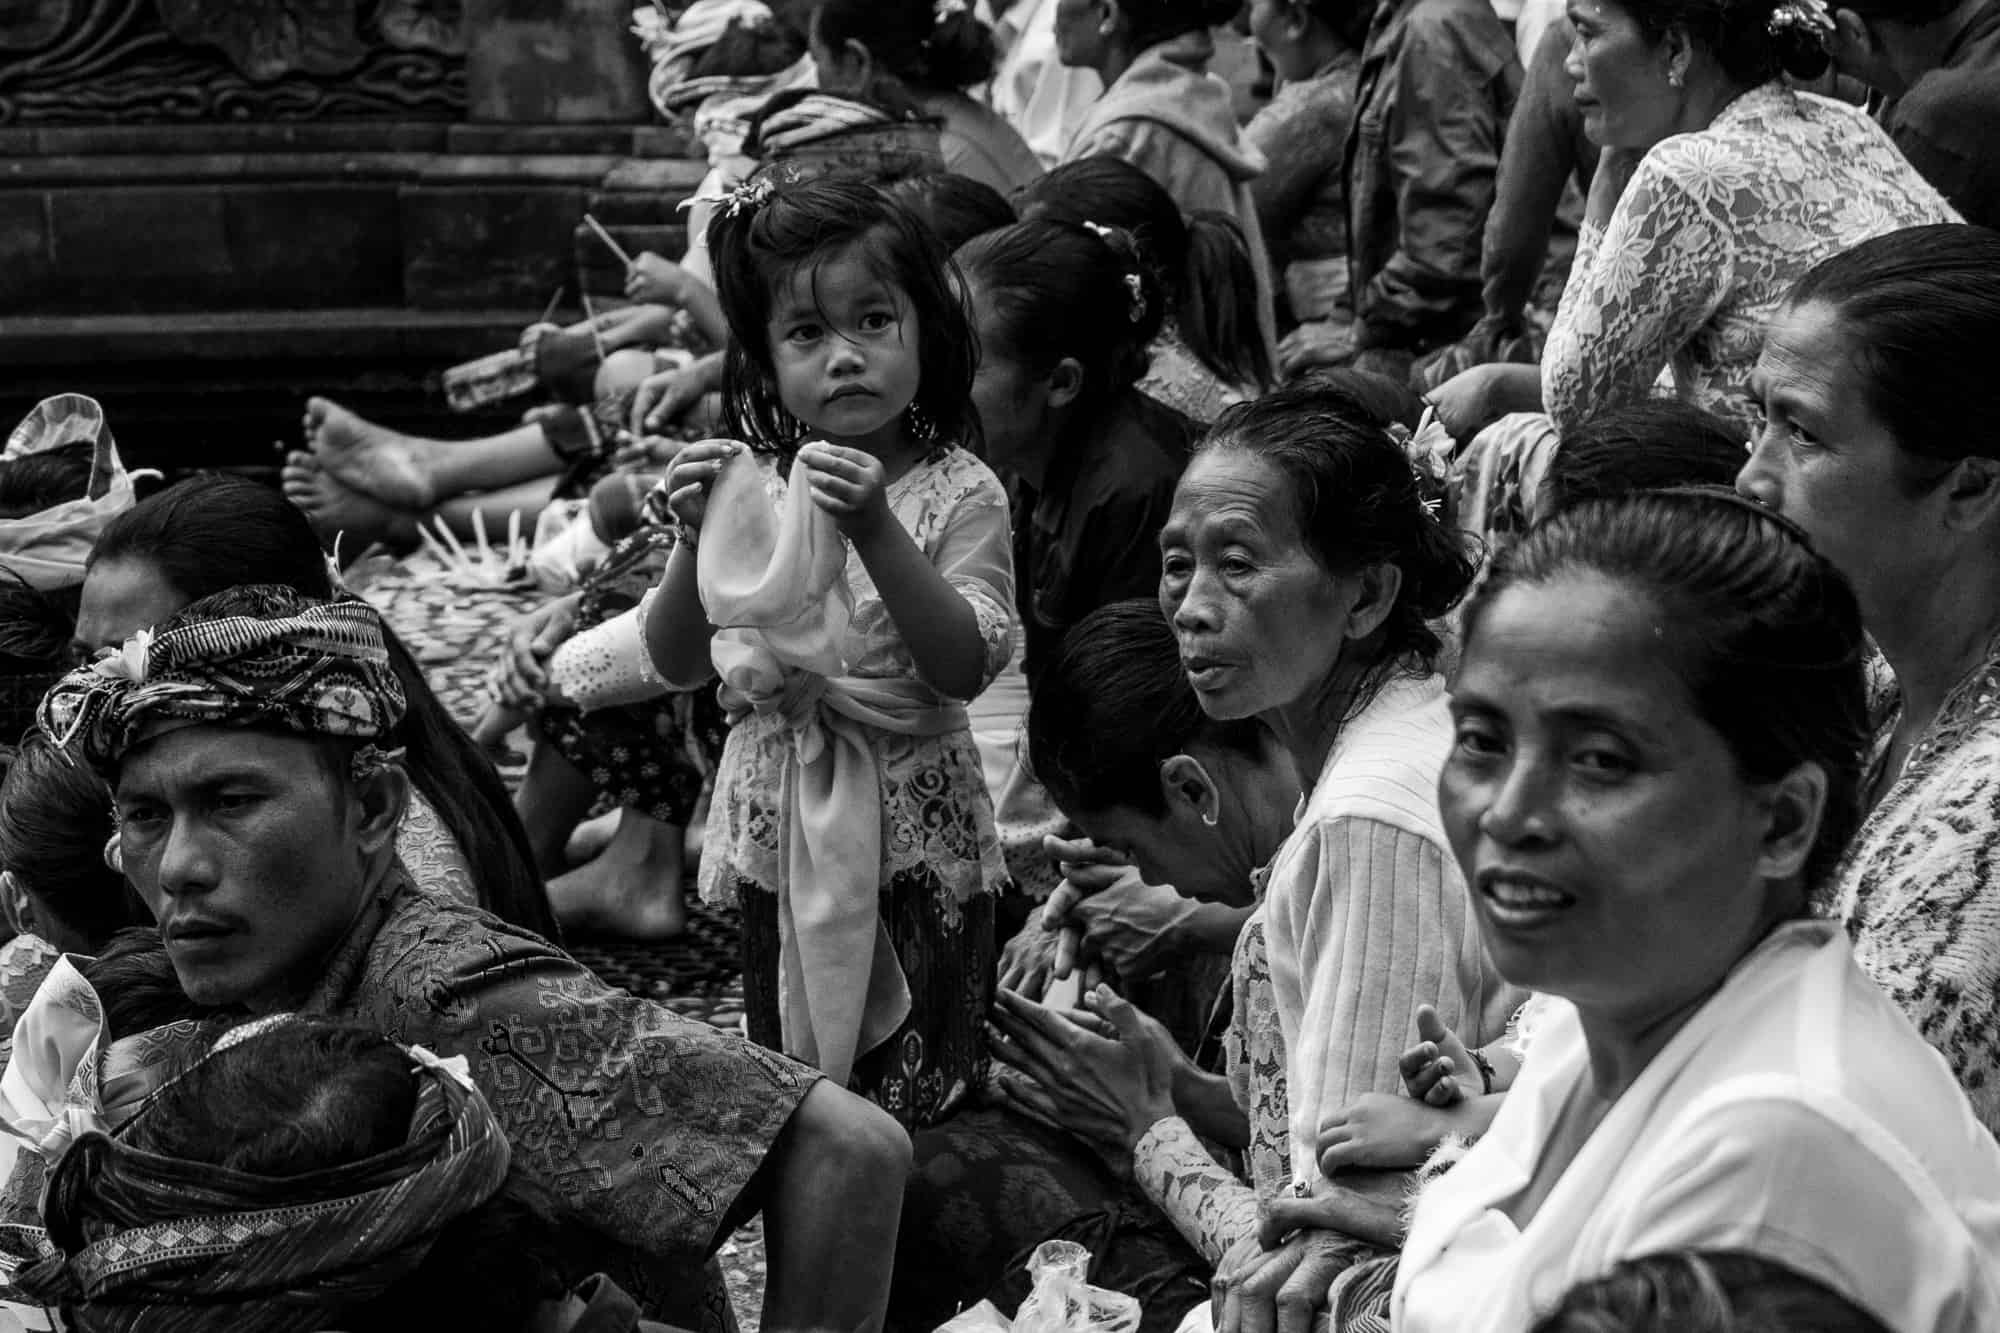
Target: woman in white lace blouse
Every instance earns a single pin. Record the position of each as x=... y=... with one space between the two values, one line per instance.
x=1720 y=186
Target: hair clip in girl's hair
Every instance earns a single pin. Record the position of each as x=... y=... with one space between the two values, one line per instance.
x=1810 y=16
x=946 y=9
x=1138 y=290
x=1426 y=468
x=752 y=195
x=1133 y=283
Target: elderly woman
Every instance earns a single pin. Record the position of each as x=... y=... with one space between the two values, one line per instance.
x=1878 y=440
x=1658 y=726
x=1183 y=810
x=1719 y=187
x=1302 y=568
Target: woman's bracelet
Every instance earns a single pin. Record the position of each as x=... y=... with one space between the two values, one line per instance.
x=1485 y=1067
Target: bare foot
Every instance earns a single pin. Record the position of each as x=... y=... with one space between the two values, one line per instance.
x=334 y=509
x=592 y=836
x=373 y=460
x=632 y=889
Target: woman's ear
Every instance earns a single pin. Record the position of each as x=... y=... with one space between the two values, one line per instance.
x=1065 y=382
x=1972 y=494
x=383 y=796
x=1376 y=598
x=1794 y=806
x=1679 y=51
x=1186 y=785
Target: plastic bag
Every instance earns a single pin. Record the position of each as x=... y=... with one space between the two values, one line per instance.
x=1064 y=1302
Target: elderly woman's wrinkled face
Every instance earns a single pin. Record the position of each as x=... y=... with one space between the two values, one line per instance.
x=1613 y=850
x=1622 y=78
x=1821 y=459
x=1260 y=621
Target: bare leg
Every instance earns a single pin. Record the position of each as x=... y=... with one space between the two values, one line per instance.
x=412 y=473
x=632 y=889
x=554 y=796
x=836 y=1199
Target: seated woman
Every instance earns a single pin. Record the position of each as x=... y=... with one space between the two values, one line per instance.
x=209 y=533
x=1064 y=317
x=1643 y=832
x=1314 y=47
x=1876 y=439
x=928 y=55
x=1165 y=113
x=379 y=1179
x=1719 y=188
x=62 y=896
x=1303 y=569
x=1195 y=807
x=1211 y=350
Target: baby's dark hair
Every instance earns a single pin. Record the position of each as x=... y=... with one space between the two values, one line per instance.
x=1156 y=21
x=1644 y=446
x=1712 y=1292
x=34 y=482
x=1114 y=704
x=957 y=208
x=757 y=247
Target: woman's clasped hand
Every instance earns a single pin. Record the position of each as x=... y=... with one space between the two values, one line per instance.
x=1106 y=1073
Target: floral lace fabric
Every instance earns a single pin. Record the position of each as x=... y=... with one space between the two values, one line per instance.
x=1713 y=229
x=936 y=813
x=1918 y=890
x=1211 y=1207
x=432 y=855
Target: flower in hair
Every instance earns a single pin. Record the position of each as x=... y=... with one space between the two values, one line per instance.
x=946 y=9
x=1810 y=16
x=1133 y=283
x=751 y=195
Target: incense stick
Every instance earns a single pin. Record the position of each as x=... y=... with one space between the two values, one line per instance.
x=596 y=334
x=549 y=311
x=605 y=236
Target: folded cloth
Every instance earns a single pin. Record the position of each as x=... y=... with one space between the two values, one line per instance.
x=773 y=580
x=49 y=549
x=676 y=47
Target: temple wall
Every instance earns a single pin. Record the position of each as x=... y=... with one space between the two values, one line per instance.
x=210 y=208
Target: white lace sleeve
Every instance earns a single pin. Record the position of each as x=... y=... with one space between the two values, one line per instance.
x=607 y=664
x=1636 y=294
x=977 y=559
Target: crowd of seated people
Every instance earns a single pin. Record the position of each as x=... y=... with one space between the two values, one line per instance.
x=1372 y=689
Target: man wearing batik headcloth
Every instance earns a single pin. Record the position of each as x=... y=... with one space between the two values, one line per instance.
x=250 y=746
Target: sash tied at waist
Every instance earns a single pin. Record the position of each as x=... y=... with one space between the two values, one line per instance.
x=773 y=580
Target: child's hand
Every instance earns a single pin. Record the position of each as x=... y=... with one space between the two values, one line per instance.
x=657 y=281
x=695 y=469
x=1433 y=1067
x=1380 y=1129
x=848 y=484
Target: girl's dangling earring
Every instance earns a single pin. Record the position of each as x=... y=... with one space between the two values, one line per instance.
x=921 y=426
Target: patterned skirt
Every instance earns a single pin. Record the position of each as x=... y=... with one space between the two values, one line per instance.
x=938 y=1056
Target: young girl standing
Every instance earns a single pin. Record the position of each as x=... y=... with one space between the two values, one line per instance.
x=858 y=555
